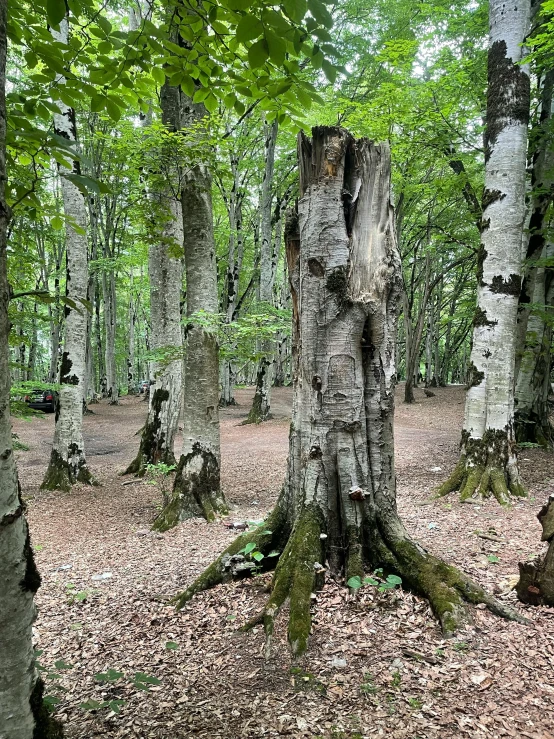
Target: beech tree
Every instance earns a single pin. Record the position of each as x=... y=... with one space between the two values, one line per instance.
x=165 y=270
x=67 y=460
x=337 y=511
x=488 y=461
x=197 y=486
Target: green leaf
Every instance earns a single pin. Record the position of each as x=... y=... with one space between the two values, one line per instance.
x=274 y=553
x=277 y=48
x=91 y=705
x=55 y=11
x=493 y=559
x=62 y=665
x=108 y=677
x=370 y=581
x=394 y=580
x=248 y=28
x=171 y=645
x=57 y=223
x=249 y=547
x=158 y=75
x=355 y=582
x=142 y=677
x=113 y=109
x=258 y=556
x=295 y=9
x=258 y=53
x=329 y=69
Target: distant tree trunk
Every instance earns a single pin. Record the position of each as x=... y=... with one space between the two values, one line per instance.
x=264 y=376
x=67 y=461
x=197 y=487
x=234 y=266
x=165 y=269
x=131 y=343
x=110 y=312
x=415 y=333
x=337 y=510
x=533 y=360
x=22 y=713
x=488 y=462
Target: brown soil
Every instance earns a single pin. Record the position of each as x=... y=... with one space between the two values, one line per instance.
x=377 y=664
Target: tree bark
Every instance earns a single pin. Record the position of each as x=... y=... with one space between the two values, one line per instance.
x=337 y=511
x=197 y=486
x=488 y=462
x=536 y=579
x=110 y=312
x=165 y=269
x=67 y=461
x=261 y=404
x=533 y=361
x=22 y=712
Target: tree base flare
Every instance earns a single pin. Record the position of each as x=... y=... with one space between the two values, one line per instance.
x=299 y=572
x=487 y=467
x=62 y=475
x=536 y=579
x=46 y=727
x=196 y=490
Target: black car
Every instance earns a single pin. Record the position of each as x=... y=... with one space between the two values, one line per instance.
x=42 y=400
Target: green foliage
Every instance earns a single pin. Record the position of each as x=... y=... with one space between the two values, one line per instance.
x=382 y=584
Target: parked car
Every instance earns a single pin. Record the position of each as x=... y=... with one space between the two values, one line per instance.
x=145 y=386
x=42 y=400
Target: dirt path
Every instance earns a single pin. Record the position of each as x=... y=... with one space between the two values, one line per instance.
x=359 y=678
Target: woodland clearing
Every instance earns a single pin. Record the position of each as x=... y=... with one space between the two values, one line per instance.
x=376 y=665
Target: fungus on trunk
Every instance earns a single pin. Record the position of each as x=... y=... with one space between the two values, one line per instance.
x=337 y=510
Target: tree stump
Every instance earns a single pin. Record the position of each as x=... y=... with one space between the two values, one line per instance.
x=536 y=579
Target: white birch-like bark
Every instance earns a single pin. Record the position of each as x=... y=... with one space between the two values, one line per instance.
x=131 y=341
x=268 y=263
x=110 y=312
x=21 y=710
x=67 y=462
x=489 y=462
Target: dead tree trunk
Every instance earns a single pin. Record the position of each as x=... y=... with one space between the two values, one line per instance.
x=536 y=579
x=337 y=511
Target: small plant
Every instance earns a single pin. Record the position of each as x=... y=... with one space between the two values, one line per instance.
x=439 y=652
x=368 y=687
x=415 y=703
x=396 y=679
x=493 y=559
x=251 y=549
x=382 y=584
x=159 y=474
x=461 y=646
x=75 y=596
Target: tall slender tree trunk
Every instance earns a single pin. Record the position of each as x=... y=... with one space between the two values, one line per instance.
x=165 y=269
x=266 y=364
x=533 y=361
x=197 y=487
x=131 y=342
x=22 y=712
x=234 y=266
x=337 y=511
x=67 y=460
x=488 y=462
x=110 y=312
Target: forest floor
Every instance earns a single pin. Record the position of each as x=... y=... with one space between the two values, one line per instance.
x=377 y=664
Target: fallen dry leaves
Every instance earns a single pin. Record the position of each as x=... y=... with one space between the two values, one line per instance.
x=377 y=664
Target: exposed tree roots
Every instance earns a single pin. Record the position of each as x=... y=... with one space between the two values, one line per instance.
x=300 y=572
x=486 y=467
x=62 y=475
x=196 y=490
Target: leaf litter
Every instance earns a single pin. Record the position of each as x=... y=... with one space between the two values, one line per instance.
x=377 y=664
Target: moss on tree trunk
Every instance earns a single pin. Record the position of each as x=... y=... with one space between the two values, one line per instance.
x=337 y=511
